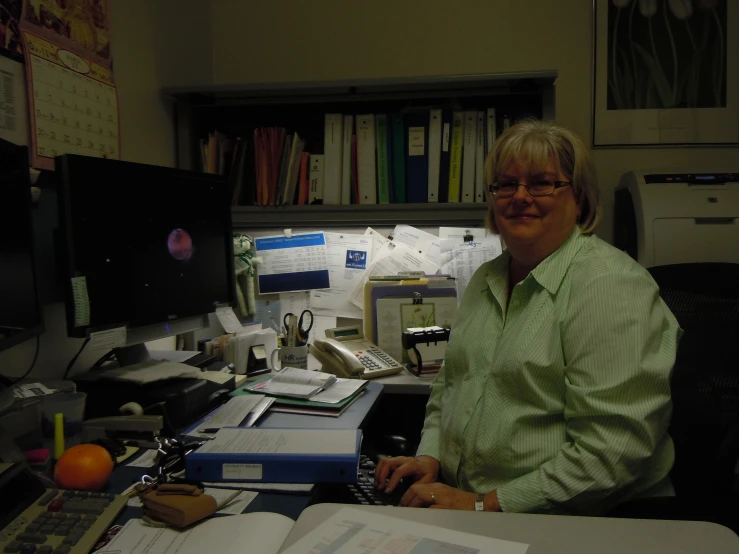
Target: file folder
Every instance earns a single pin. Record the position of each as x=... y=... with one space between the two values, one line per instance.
x=278 y=456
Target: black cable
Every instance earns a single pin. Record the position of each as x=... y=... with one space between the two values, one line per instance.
x=33 y=363
x=71 y=362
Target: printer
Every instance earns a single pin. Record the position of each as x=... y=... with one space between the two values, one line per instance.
x=664 y=217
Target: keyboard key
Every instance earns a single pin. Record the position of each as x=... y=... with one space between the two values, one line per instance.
x=28 y=548
x=44 y=549
x=62 y=549
x=46 y=529
x=61 y=531
x=13 y=547
x=34 y=538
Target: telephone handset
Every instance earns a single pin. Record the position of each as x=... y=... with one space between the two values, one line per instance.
x=336 y=358
x=346 y=353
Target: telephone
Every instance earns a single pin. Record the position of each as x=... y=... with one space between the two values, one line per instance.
x=346 y=353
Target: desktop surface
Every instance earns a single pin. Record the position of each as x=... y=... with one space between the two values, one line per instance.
x=547 y=534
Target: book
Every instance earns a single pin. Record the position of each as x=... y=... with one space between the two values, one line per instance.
x=366 y=172
x=346 y=163
x=277 y=456
x=333 y=142
x=416 y=163
x=455 y=161
x=397 y=130
x=321 y=528
x=383 y=181
x=316 y=179
x=445 y=157
x=294 y=382
x=469 y=154
x=480 y=195
x=434 y=156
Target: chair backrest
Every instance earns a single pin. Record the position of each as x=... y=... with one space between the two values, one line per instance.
x=704 y=297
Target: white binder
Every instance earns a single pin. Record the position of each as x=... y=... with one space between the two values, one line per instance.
x=346 y=164
x=333 y=142
x=434 y=152
x=366 y=170
x=492 y=132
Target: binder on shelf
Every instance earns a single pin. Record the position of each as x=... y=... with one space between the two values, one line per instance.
x=417 y=170
x=469 y=154
x=455 y=162
x=383 y=181
x=366 y=173
x=445 y=156
x=434 y=154
x=316 y=178
x=333 y=141
x=355 y=177
x=397 y=130
x=303 y=182
x=346 y=163
x=480 y=159
x=277 y=456
x=492 y=130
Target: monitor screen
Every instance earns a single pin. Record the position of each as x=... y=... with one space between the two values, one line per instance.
x=20 y=309
x=143 y=244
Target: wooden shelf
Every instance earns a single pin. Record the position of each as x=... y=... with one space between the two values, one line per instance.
x=282 y=217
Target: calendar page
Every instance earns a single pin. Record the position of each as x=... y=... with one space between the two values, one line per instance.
x=74 y=106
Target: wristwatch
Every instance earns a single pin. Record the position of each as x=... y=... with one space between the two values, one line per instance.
x=480 y=502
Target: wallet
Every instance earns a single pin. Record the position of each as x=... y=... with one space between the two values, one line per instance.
x=178 y=505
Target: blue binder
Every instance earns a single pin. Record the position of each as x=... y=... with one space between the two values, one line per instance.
x=417 y=166
x=270 y=467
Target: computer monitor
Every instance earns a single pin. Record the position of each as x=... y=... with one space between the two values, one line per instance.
x=146 y=248
x=20 y=309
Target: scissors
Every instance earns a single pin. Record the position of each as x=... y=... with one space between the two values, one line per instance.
x=301 y=331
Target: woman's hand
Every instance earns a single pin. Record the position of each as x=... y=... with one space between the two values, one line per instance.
x=389 y=471
x=438 y=495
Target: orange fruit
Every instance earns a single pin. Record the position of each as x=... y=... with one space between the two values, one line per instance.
x=85 y=467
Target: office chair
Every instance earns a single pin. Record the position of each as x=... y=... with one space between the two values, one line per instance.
x=704 y=297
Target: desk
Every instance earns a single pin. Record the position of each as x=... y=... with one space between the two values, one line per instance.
x=407 y=383
x=555 y=534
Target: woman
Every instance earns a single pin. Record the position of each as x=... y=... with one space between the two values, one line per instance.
x=554 y=395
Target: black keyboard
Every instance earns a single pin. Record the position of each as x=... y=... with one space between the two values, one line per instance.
x=363 y=491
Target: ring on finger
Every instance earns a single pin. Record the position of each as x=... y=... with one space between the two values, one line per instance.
x=433 y=498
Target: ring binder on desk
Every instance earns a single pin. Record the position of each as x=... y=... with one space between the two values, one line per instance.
x=413 y=338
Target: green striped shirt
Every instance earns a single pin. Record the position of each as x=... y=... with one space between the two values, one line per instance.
x=560 y=400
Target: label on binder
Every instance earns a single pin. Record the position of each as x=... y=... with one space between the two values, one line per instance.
x=242 y=471
x=416 y=141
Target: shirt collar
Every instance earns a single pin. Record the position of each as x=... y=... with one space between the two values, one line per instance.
x=550 y=272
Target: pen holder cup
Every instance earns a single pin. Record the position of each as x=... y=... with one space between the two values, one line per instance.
x=290 y=356
x=72 y=406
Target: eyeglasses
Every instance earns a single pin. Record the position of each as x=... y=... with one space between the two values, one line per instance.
x=542 y=187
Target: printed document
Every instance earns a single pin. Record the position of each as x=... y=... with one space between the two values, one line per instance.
x=292 y=264
x=352 y=531
x=461 y=261
x=417 y=239
x=348 y=258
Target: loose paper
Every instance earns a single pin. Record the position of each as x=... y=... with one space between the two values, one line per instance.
x=422 y=242
x=348 y=258
x=81 y=301
x=463 y=260
x=283 y=441
x=13 y=102
x=352 y=531
x=145 y=460
x=228 y=319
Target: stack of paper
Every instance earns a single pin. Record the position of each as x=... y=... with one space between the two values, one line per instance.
x=295 y=383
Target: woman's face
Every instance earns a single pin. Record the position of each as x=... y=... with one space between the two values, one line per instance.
x=536 y=225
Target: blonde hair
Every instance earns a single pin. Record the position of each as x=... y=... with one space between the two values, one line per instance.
x=537 y=143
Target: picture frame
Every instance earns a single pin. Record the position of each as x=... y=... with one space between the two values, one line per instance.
x=665 y=72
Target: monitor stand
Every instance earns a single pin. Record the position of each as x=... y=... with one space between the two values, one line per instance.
x=131 y=355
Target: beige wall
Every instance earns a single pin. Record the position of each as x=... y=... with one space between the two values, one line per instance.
x=288 y=40
x=154 y=45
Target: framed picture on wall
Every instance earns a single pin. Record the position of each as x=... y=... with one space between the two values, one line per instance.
x=666 y=72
